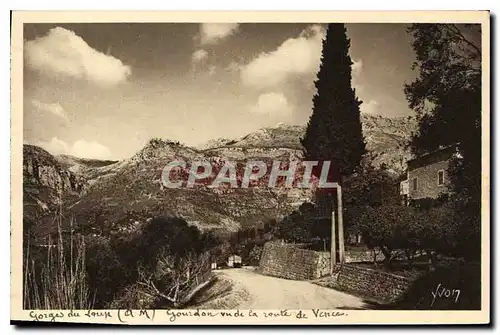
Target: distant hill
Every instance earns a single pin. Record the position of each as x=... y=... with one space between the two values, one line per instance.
x=108 y=196
x=386 y=140
x=79 y=165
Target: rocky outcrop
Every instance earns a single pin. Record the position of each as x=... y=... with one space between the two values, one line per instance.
x=46 y=183
x=386 y=141
x=41 y=168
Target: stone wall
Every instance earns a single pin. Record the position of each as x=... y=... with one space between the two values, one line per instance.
x=369 y=283
x=362 y=256
x=292 y=261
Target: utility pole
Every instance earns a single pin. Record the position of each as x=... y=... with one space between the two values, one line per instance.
x=341 y=224
x=333 y=255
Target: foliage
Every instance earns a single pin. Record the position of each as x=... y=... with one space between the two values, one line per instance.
x=254 y=255
x=299 y=226
x=448 y=59
x=334 y=130
x=394 y=229
x=107 y=273
x=447 y=98
x=58 y=279
x=464 y=277
x=112 y=268
x=370 y=187
x=173 y=280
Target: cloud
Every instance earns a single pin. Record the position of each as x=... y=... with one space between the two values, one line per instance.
x=63 y=53
x=211 y=33
x=55 y=146
x=199 y=55
x=370 y=107
x=272 y=104
x=90 y=149
x=295 y=57
x=356 y=67
x=80 y=148
x=53 y=108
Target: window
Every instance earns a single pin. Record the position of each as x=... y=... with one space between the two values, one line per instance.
x=440 y=177
x=414 y=184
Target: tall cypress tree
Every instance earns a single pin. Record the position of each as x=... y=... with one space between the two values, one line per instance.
x=334 y=130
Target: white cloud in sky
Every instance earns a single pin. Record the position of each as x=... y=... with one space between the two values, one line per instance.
x=211 y=33
x=199 y=55
x=370 y=107
x=294 y=57
x=80 y=148
x=356 y=67
x=53 y=108
x=272 y=104
x=62 y=52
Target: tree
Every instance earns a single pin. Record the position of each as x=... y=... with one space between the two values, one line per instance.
x=447 y=98
x=334 y=130
x=298 y=226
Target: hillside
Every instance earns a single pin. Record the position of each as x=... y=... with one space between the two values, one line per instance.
x=46 y=183
x=108 y=196
x=130 y=192
x=386 y=140
x=80 y=165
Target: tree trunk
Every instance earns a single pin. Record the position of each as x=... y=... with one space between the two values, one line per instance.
x=432 y=260
x=374 y=254
x=388 y=256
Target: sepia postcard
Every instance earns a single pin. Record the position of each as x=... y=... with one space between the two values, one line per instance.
x=251 y=168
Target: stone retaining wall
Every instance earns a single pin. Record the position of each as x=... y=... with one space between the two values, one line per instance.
x=292 y=261
x=362 y=281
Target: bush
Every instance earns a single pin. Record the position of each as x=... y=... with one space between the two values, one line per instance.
x=57 y=279
x=392 y=228
x=111 y=269
x=107 y=274
x=254 y=255
x=463 y=277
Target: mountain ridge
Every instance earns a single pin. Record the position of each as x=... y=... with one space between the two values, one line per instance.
x=122 y=195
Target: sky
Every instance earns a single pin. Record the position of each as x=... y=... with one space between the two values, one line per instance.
x=102 y=90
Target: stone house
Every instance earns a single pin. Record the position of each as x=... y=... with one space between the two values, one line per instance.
x=426 y=175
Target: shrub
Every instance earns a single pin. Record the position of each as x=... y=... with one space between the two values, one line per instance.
x=254 y=255
x=173 y=280
x=166 y=254
x=107 y=274
x=391 y=227
x=57 y=280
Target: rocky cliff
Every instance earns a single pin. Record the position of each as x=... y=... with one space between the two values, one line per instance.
x=47 y=183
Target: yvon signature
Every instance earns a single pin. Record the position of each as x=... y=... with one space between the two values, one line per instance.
x=443 y=292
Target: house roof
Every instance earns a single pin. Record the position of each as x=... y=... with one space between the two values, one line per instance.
x=449 y=149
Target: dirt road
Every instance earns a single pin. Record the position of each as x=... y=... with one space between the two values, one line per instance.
x=246 y=289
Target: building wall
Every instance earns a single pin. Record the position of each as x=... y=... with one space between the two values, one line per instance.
x=427 y=178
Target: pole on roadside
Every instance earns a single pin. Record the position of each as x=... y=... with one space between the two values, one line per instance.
x=341 y=225
x=333 y=256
